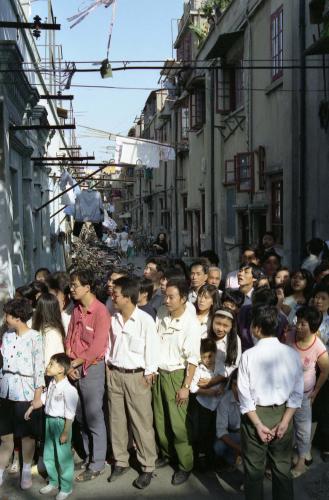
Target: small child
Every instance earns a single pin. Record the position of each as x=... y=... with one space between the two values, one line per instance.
x=205 y=404
x=60 y=401
x=21 y=381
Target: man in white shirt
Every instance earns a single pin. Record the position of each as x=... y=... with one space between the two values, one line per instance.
x=271 y=388
x=112 y=276
x=180 y=335
x=199 y=275
x=132 y=361
x=249 y=256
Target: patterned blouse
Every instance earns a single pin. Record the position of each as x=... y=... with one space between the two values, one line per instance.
x=324 y=330
x=23 y=365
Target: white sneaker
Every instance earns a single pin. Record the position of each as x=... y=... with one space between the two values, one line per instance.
x=26 y=481
x=48 y=489
x=14 y=468
x=62 y=496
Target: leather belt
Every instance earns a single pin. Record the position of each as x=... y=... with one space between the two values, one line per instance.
x=126 y=370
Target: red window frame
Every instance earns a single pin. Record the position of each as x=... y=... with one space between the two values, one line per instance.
x=277 y=43
x=229 y=173
x=244 y=172
x=229 y=88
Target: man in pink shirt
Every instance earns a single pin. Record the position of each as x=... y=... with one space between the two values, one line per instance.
x=86 y=344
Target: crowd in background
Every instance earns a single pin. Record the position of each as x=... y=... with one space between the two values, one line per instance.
x=182 y=367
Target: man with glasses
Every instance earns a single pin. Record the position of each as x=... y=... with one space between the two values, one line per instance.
x=86 y=344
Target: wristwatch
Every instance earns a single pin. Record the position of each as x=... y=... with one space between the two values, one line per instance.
x=186 y=386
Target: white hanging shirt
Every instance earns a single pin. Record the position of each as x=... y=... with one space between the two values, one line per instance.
x=88 y=207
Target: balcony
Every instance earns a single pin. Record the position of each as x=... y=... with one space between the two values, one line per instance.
x=190 y=8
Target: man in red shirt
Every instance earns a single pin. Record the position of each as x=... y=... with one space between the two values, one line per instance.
x=86 y=344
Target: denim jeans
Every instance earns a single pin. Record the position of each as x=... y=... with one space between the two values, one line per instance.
x=303 y=426
x=222 y=450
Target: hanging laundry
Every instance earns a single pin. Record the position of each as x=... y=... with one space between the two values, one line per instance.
x=88 y=207
x=80 y=16
x=140 y=152
x=68 y=198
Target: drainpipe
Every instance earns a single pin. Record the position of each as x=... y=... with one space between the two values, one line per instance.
x=212 y=158
x=302 y=129
x=176 y=181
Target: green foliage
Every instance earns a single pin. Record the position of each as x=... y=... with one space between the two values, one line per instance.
x=201 y=32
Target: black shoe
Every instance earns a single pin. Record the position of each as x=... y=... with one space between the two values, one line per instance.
x=143 y=480
x=325 y=456
x=180 y=477
x=117 y=472
x=308 y=462
x=161 y=462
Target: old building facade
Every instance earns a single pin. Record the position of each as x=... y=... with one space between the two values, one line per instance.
x=243 y=115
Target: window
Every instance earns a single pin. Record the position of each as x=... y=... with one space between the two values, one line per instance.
x=184 y=51
x=184 y=203
x=245 y=172
x=277 y=210
x=230 y=213
x=261 y=168
x=197 y=109
x=184 y=118
x=277 y=43
x=229 y=88
x=229 y=174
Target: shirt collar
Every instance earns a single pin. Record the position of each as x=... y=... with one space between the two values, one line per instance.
x=91 y=308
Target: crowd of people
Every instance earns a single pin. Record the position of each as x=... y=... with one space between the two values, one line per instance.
x=178 y=367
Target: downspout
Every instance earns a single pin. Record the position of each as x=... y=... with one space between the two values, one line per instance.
x=250 y=123
x=302 y=128
x=175 y=187
x=212 y=158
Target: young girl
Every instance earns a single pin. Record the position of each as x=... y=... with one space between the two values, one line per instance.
x=21 y=382
x=224 y=331
x=314 y=357
x=301 y=285
x=207 y=302
x=47 y=320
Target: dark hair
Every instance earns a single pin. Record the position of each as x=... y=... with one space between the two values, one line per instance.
x=181 y=286
x=256 y=271
x=267 y=255
x=202 y=263
x=19 y=308
x=20 y=291
x=146 y=286
x=307 y=275
x=264 y=296
x=172 y=273
x=324 y=266
x=213 y=292
x=211 y=256
x=232 y=378
x=208 y=345
x=158 y=237
x=265 y=318
x=232 y=336
x=155 y=260
x=48 y=314
x=85 y=276
x=63 y=360
x=59 y=281
x=129 y=288
x=180 y=265
x=117 y=270
x=269 y=233
x=31 y=291
x=315 y=246
x=281 y=268
x=233 y=295
x=321 y=287
x=311 y=315
x=43 y=270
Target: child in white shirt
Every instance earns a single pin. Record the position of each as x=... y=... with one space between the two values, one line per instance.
x=205 y=404
x=60 y=401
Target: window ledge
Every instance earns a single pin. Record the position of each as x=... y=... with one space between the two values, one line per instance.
x=274 y=85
